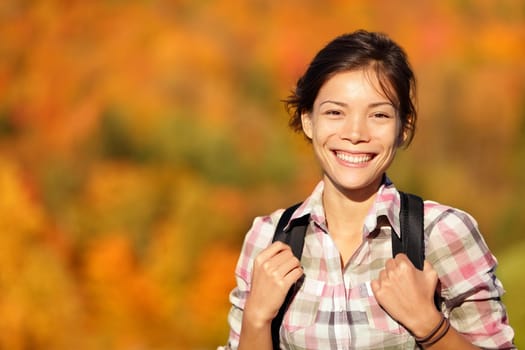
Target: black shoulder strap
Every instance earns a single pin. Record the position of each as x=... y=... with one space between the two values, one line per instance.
x=295 y=234
x=411 y=222
x=295 y=238
x=412 y=241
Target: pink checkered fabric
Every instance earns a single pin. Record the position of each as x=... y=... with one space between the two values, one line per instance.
x=335 y=307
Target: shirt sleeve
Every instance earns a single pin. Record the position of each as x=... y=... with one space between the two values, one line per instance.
x=466 y=268
x=258 y=238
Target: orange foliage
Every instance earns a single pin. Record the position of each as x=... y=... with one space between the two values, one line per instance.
x=121 y=298
x=206 y=302
x=37 y=288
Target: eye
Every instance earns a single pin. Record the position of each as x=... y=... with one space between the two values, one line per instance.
x=381 y=115
x=333 y=113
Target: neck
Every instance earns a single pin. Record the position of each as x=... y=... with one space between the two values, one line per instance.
x=346 y=211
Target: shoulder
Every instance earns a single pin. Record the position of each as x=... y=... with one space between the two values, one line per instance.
x=454 y=234
x=262 y=230
x=454 y=243
x=258 y=238
x=442 y=217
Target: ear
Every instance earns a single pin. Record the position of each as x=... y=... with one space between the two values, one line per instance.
x=402 y=135
x=306 y=121
x=402 y=138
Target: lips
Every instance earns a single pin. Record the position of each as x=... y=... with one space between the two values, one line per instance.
x=350 y=158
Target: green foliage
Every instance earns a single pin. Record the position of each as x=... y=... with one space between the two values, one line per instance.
x=510 y=272
x=115 y=139
x=7 y=127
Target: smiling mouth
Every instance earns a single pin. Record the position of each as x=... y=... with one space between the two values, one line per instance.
x=353 y=158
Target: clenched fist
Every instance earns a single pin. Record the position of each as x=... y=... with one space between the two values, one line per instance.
x=407 y=294
x=275 y=270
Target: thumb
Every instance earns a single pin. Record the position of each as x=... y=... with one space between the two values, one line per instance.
x=427 y=266
x=430 y=274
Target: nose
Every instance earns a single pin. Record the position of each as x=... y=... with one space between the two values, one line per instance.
x=355 y=129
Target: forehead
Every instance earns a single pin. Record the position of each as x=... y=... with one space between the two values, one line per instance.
x=353 y=85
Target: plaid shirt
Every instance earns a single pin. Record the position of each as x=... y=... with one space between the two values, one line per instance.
x=335 y=307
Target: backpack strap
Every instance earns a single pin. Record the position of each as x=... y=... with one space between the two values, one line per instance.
x=294 y=237
x=411 y=240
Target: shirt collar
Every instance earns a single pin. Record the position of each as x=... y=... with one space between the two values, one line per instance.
x=386 y=205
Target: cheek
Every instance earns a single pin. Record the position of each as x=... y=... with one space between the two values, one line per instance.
x=320 y=137
x=324 y=129
x=389 y=138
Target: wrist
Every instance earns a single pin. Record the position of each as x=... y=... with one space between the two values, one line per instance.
x=255 y=319
x=425 y=326
x=436 y=334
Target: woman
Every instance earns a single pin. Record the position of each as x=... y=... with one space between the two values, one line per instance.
x=355 y=103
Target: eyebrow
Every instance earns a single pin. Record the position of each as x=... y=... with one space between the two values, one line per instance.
x=344 y=104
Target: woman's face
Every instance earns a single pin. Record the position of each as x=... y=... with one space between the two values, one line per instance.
x=354 y=130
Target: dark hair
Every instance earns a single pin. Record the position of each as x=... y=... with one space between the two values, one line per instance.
x=359 y=50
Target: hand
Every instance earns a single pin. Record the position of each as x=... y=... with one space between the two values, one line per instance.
x=407 y=293
x=275 y=270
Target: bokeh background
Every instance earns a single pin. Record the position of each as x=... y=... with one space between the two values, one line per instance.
x=138 y=139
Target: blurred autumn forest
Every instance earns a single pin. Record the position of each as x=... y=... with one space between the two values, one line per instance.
x=138 y=139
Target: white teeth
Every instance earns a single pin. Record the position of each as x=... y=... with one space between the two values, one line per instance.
x=354 y=159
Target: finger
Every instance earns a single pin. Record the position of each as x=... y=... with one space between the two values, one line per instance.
x=401 y=258
x=277 y=247
x=376 y=286
x=430 y=274
x=272 y=250
x=390 y=264
x=378 y=291
x=403 y=263
x=280 y=257
x=283 y=255
x=278 y=265
x=427 y=266
x=383 y=276
x=285 y=281
x=293 y=276
x=283 y=263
